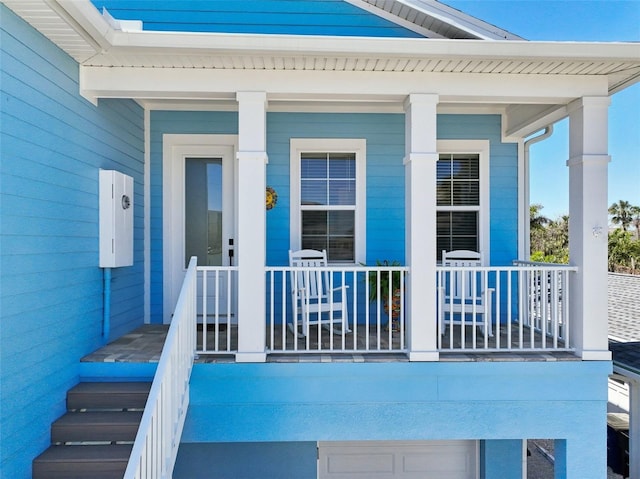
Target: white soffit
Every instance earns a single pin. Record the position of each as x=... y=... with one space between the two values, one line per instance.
x=54 y=22
x=620 y=62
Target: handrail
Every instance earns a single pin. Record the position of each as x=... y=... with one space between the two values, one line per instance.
x=520 y=262
x=156 y=445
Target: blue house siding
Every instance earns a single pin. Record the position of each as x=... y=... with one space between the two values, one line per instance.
x=319 y=17
x=385 y=138
x=53 y=143
x=283 y=403
x=503 y=179
x=384 y=134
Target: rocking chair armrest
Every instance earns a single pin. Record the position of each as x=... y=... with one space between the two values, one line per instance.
x=338 y=288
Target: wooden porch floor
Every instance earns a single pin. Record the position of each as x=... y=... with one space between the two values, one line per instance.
x=145 y=345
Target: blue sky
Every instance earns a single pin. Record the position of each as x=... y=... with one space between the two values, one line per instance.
x=575 y=20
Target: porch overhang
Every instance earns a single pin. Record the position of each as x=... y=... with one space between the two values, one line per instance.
x=530 y=83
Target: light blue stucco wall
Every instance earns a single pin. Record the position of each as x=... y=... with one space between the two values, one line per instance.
x=490 y=401
x=395 y=401
x=385 y=138
x=310 y=17
x=53 y=143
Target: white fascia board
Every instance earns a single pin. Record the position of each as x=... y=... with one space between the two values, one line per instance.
x=460 y=20
x=627 y=373
x=362 y=4
x=252 y=44
x=85 y=16
x=149 y=83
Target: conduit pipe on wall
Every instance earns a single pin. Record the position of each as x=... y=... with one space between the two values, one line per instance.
x=548 y=131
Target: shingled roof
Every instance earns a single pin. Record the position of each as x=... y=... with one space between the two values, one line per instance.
x=624 y=320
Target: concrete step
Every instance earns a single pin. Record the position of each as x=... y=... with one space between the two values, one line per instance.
x=94 y=426
x=117 y=395
x=82 y=462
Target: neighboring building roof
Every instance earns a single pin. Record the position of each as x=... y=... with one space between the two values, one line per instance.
x=624 y=321
x=624 y=307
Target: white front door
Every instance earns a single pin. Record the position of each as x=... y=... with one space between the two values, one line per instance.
x=198 y=211
x=398 y=460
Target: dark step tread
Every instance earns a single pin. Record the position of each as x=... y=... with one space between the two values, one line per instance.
x=96 y=426
x=108 y=395
x=89 y=453
x=108 y=387
x=81 y=462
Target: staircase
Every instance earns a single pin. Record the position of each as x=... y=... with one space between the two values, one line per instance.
x=94 y=438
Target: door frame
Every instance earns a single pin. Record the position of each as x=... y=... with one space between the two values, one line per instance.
x=175 y=149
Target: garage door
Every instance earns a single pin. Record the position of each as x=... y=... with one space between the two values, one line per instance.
x=398 y=460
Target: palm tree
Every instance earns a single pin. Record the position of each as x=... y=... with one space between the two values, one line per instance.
x=635 y=211
x=537 y=220
x=622 y=213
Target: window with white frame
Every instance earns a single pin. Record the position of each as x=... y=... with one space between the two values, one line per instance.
x=462 y=197
x=327 y=197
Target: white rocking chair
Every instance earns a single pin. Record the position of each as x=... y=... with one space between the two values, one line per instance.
x=463 y=295
x=313 y=298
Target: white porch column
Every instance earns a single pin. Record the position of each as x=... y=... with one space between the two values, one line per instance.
x=588 y=220
x=420 y=230
x=251 y=241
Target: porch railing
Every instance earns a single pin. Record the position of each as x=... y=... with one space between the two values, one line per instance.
x=217 y=320
x=156 y=445
x=373 y=326
x=523 y=307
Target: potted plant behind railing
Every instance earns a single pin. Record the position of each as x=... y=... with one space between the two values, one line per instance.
x=389 y=288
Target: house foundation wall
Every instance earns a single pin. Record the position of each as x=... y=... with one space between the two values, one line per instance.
x=489 y=401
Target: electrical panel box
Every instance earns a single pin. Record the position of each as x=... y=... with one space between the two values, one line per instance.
x=116 y=219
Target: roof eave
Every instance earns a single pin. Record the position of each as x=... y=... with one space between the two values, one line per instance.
x=255 y=44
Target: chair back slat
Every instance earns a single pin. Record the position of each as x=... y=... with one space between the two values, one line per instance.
x=316 y=283
x=464 y=283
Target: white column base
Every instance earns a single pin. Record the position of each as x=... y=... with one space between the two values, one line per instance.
x=251 y=357
x=424 y=356
x=595 y=355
